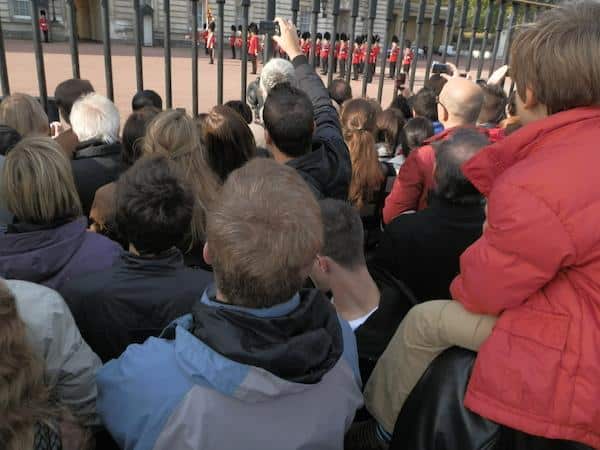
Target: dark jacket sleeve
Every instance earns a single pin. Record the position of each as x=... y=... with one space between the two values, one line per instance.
x=328 y=128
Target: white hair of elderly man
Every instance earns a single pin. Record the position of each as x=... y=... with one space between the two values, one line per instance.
x=95 y=117
x=275 y=72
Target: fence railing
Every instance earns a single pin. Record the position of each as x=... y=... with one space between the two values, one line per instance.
x=508 y=14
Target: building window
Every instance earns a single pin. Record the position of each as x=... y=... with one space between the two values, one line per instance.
x=20 y=9
x=304 y=19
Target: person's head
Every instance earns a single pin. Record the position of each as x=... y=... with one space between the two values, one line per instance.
x=340 y=91
x=276 y=71
x=134 y=131
x=25 y=114
x=424 y=104
x=144 y=99
x=241 y=108
x=175 y=135
x=67 y=93
x=43 y=12
x=24 y=396
x=343 y=37
x=390 y=124
x=37 y=184
x=451 y=154
x=402 y=104
x=154 y=206
x=343 y=240
x=416 y=131
x=253 y=28
x=327 y=35
x=554 y=61
x=319 y=36
x=359 y=126
x=94 y=117
x=9 y=137
x=264 y=232
x=436 y=83
x=228 y=140
x=459 y=103
x=395 y=39
x=233 y=28
x=493 y=110
x=289 y=121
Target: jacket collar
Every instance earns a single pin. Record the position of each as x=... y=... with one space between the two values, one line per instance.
x=94 y=148
x=485 y=167
x=171 y=259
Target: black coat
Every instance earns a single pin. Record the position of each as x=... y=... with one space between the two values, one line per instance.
x=423 y=249
x=94 y=165
x=135 y=299
x=327 y=168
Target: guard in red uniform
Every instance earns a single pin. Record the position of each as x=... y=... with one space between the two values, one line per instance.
x=232 y=41
x=343 y=54
x=393 y=59
x=357 y=56
x=43 y=22
x=324 y=54
x=253 y=46
x=408 y=57
x=372 y=63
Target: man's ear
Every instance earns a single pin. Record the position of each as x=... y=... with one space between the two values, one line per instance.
x=206 y=254
x=323 y=262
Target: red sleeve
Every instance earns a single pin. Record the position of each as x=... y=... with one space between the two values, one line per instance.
x=407 y=189
x=523 y=247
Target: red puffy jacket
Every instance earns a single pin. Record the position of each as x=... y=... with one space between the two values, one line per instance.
x=537 y=266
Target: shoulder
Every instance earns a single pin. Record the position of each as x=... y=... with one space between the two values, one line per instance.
x=36 y=302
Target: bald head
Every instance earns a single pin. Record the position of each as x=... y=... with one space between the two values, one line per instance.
x=462 y=100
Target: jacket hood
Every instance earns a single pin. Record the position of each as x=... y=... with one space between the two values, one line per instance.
x=323 y=170
x=39 y=255
x=491 y=162
x=227 y=346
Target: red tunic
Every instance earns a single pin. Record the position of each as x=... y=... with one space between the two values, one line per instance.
x=238 y=42
x=43 y=24
x=253 y=45
x=394 y=54
x=343 y=52
x=336 y=52
x=232 y=40
x=325 y=50
x=408 y=57
x=357 y=56
x=306 y=48
x=374 y=54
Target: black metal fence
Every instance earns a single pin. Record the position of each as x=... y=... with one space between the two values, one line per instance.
x=491 y=30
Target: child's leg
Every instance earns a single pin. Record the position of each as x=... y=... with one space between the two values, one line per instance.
x=426 y=331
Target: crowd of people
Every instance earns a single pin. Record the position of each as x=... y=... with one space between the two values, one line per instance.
x=281 y=274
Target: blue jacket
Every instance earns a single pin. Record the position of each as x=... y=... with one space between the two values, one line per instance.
x=227 y=377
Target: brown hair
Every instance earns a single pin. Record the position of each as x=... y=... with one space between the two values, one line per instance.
x=263 y=234
x=358 y=125
x=175 y=135
x=390 y=124
x=556 y=57
x=25 y=114
x=37 y=183
x=228 y=140
x=24 y=398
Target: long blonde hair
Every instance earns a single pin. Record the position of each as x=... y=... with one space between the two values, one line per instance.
x=37 y=183
x=24 y=398
x=25 y=114
x=175 y=135
x=359 y=126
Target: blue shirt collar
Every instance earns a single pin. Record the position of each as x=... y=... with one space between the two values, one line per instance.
x=208 y=298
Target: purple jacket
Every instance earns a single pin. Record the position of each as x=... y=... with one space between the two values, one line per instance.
x=52 y=256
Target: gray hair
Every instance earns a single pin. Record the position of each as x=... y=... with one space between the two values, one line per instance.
x=275 y=72
x=95 y=117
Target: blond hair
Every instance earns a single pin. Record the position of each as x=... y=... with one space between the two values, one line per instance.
x=263 y=233
x=37 y=183
x=175 y=135
x=24 y=398
x=25 y=114
x=557 y=57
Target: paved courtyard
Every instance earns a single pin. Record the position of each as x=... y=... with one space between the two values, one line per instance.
x=22 y=73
